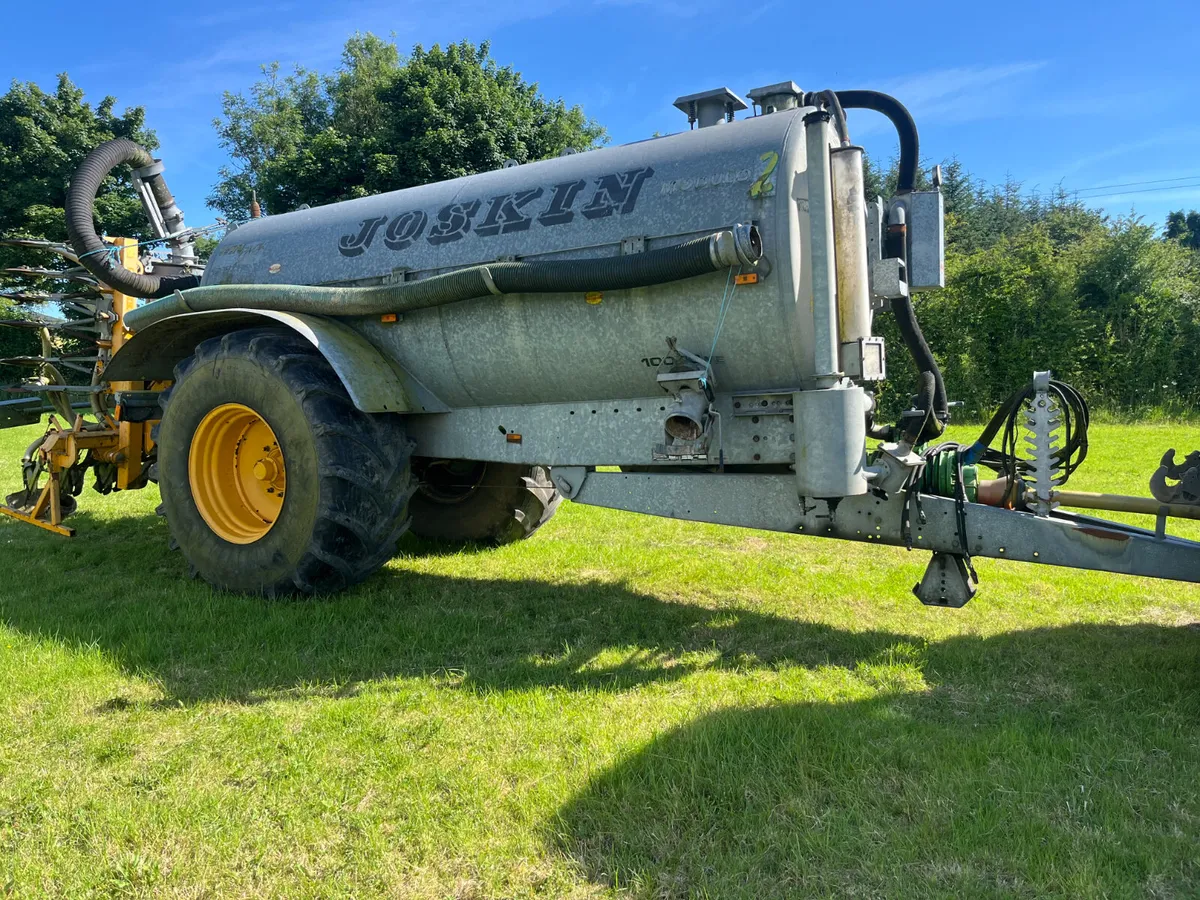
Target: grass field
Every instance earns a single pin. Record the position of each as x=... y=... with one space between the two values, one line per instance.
x=620 y=705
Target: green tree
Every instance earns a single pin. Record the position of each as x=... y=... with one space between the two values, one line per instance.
x=1142 y=297
x=1006 y=310
x=1184 y=228
x=1103 y=304
x=381 y=122
x=43 y=138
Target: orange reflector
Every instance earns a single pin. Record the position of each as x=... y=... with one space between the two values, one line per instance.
x=388 y=317
x=748 y=278
x=513 y=438
x=593 y=297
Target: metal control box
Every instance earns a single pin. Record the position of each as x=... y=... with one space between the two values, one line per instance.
x=926 y=240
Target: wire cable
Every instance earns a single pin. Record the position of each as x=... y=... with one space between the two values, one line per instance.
x=1008 y=461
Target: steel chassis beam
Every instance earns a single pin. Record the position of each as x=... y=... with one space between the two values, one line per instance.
x=769 y=502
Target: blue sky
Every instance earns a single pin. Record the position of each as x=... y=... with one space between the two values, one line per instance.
x=1088 y=94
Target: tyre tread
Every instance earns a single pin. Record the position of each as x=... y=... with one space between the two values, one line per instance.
x=363 y=462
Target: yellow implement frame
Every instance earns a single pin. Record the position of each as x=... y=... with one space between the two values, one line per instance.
x=123 y=444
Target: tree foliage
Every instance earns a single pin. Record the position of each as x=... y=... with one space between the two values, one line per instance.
x=1184 y=228
x=382 y=122
x=1044 y=282
x=43 y=138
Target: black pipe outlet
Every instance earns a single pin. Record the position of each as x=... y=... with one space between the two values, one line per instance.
x=81 y=227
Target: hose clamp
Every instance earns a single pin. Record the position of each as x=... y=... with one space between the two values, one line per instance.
x=721 y=250
x=147 y=172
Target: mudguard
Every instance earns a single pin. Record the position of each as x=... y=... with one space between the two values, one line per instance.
x=375 y=383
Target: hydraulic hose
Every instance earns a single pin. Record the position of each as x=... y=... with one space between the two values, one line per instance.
x=920 y=430
x=922 y=356
x=81 y=227
x=740 y=246
x=906 y=128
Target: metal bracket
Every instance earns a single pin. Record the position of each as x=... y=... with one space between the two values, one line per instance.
x=888 y=279
x=568 y=480
x=694 y=380
x=893 y=466
x=141 y=186
x=875 y=229
x=631 y=245
x=763 y=403
x=946 y=582
x=1044 y=421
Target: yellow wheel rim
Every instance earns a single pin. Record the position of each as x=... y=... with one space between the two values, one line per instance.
x=236 y=472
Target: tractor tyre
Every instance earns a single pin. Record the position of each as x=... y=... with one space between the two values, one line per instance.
x=471 y=501
x=272 y=481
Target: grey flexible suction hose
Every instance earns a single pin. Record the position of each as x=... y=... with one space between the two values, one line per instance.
x=81 y=227
x=740 y=246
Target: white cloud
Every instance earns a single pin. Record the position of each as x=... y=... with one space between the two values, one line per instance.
x=958 y=94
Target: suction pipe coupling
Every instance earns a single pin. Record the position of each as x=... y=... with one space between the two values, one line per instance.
x=741 y=246
x=81 y=225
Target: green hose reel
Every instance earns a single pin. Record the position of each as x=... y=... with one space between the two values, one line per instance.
x=941 y=476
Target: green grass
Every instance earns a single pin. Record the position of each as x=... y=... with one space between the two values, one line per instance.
x=622 y=704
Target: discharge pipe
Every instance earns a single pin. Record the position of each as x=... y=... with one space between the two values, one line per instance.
x=896 y=244
x=81 y=227
x=822 y=262
x=906 y=128
x=740 y=246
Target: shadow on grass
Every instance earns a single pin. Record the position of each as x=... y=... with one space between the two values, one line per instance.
x=1049 y=761
x=1053 y=761
x=116 y=587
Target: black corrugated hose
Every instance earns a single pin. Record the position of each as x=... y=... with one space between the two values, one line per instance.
x=919 y=430
x=81 y=227
x=696 y=257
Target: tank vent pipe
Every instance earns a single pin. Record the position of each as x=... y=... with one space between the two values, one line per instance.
x=850 y=245
x=823 y=267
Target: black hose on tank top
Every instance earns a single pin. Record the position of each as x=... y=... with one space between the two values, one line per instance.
x=81 y=226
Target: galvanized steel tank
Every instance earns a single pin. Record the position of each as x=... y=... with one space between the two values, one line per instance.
x=546 y=348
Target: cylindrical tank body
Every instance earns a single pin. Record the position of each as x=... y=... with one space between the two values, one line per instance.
x=546 y=348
